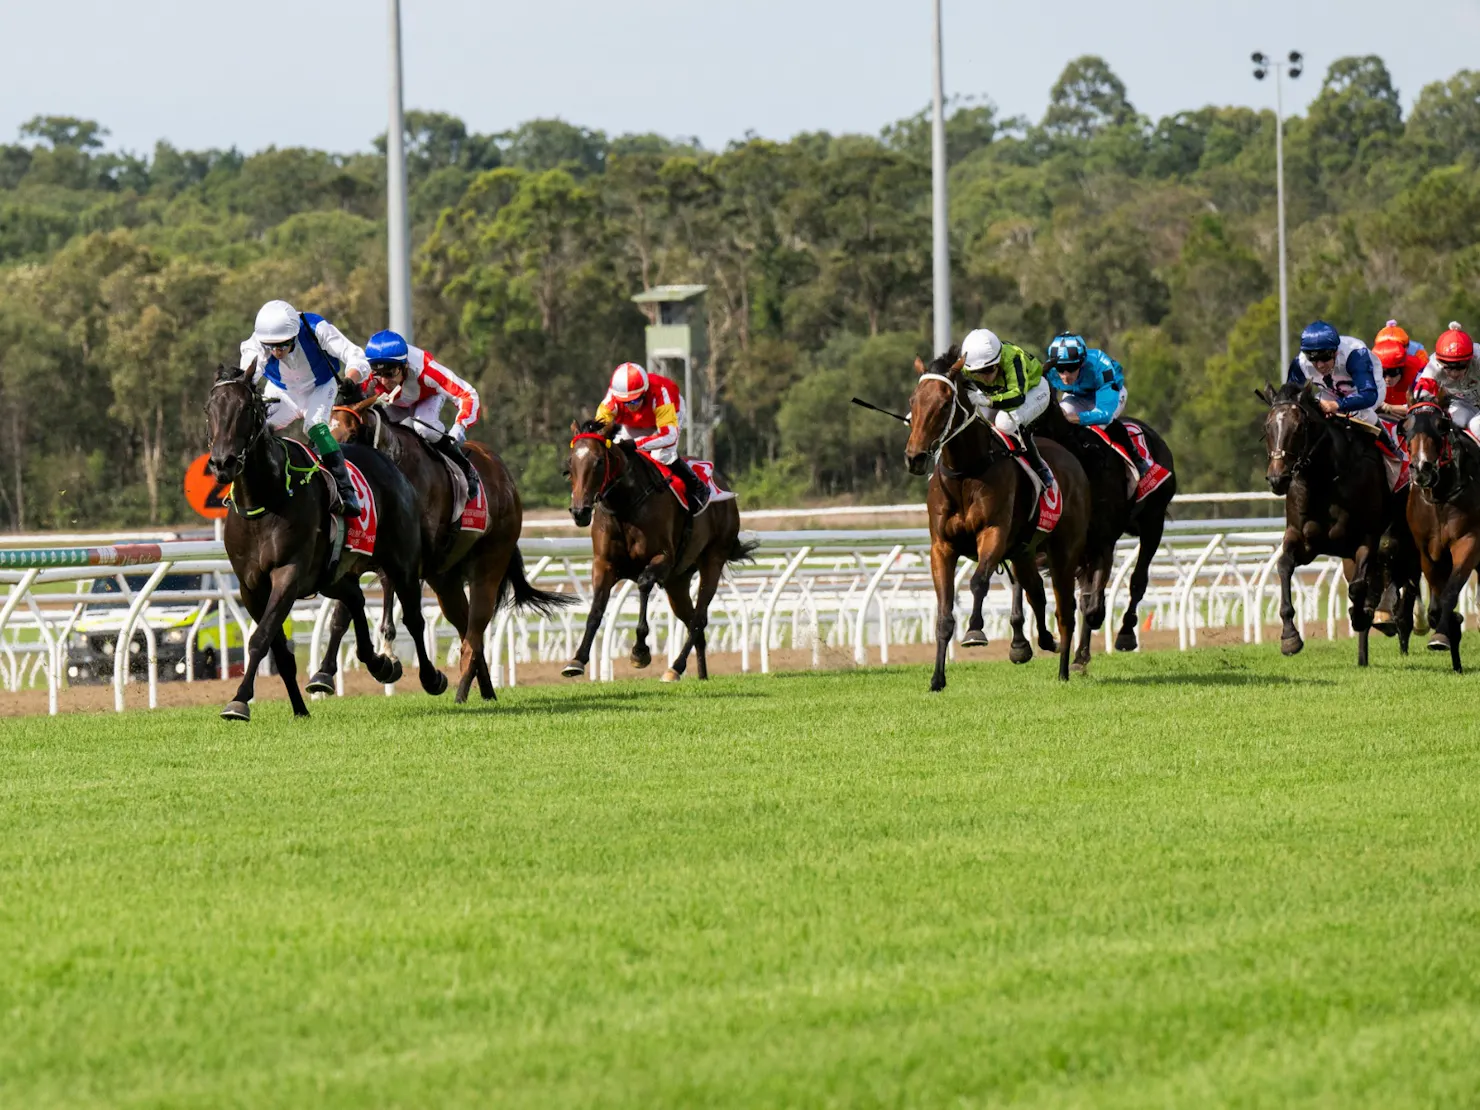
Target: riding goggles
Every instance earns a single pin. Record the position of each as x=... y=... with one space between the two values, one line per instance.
x=1454 y=367
x=283 y=348
x=1318 y=357
x=384 y=368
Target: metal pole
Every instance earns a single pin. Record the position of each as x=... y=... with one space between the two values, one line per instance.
x=398 y=224
x=1279 y=163
x=938 y=168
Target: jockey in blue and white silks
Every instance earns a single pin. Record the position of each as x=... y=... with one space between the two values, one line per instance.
x=301 y=357
x=1343 y=371
x=1092 y=390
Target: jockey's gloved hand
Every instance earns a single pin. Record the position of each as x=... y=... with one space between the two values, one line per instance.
x=459 y=434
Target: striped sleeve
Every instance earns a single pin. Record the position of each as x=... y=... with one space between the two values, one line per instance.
x=445 y=382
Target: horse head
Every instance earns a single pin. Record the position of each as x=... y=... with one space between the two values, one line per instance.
x=237 y=417
x=1430 y=436
x=591 y=468
x=347 y=419
x=1291 y=431
x=935 y=409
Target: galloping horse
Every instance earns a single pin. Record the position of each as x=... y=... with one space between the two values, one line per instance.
x=641 y=533
x=278 y=538
x=1113 y=513
x=1337 y=502
x=981 y=506
x=1444 y=514
x=487 y=563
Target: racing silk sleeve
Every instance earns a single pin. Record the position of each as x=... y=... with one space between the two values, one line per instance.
x=252 y=351
x=335 y=345
x=1107 y=400
x=1111 y=372
x=1364 y=387
x=606 y=412
x=1018 y=376
x=665 y=416
x=1296 y=373
x=449 y=385
x=1427 y=383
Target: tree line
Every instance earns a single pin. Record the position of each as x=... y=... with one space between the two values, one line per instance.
x=125 y=278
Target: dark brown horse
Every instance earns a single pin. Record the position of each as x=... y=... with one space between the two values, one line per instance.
x=982 y=506
x=641 y=533
x=1444 y=514
x=1337 y=502
x=1113 y=513
x=279 y=543
x=472 y=573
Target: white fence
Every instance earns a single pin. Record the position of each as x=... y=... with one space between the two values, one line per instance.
x=858 y=590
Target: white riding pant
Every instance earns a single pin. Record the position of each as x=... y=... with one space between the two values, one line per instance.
x=665 y=455
x=1012 y=421
x=424 y=417
x=1465 y=415
x=313 y=403
x=1072 y=403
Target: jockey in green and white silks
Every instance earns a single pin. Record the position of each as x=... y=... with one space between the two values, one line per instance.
x=301 y=355
x=1007 y=389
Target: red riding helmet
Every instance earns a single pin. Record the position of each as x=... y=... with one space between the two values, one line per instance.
x=629 y=382
x=1454 y=346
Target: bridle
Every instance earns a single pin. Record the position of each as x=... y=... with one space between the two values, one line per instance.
x=360 y=421
x=1446 y=460
x=1308 y=444
x=258 y=407
x=959 y=408
x=609 y=473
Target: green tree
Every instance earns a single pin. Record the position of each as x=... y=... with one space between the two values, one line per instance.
x=1086 y=99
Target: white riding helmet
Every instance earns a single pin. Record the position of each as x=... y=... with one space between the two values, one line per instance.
x=277 y=322
x=981 y=349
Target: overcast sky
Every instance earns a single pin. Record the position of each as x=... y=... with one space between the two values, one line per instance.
x=202 y=73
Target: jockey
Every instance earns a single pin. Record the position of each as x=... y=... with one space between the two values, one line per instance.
x=414 y=386
x=1402 y=360
x=1093 y=388
x=1343 y=373
x=648 y=410
x=1006 y=386
x=301 y=355
x=1454 y=371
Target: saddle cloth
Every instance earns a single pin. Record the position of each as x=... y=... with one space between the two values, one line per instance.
x=1051 y=500
x=704 y=471
x=1396 y=465
x=359 y=531
x=1156 y=474
x=471 y=515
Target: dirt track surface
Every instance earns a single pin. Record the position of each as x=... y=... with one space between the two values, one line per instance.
x=99 y=699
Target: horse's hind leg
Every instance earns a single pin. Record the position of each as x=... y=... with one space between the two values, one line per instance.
x=683 y=608
x=408 y=592
x=454 y=602
x=385 y=669
x=1026 y=572
x=287 y=667
x=981 y=582
x=387 y=615
x=1151 y=530
x=642 y=655
x=1407 y=595
x=322 y=681
x=709 y=576
x=1021 y=651
x=1094 y=605
x=1063 y=595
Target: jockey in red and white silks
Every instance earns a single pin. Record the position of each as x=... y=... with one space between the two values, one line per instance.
x=414 y=386
x=648 y=410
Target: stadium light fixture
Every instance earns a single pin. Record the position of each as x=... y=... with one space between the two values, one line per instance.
x=1293 y=65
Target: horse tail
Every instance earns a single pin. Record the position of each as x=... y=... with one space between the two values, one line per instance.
x=742 y=551
x=525 y=595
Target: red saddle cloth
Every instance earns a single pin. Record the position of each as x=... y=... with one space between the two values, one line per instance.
x=359 y=531
x=1156 y=474
x=475 y=513
x=1050 y=499
x=703 y=470
x=1397 y=461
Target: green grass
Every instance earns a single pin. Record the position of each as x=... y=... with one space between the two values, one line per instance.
x=1224 y=878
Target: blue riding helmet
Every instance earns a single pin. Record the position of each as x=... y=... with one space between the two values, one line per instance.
x=1068 y=351
x=386 y=346
x=1319 y=336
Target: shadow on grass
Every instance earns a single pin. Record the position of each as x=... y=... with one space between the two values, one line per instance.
x=594 y=702
x=1231 y=678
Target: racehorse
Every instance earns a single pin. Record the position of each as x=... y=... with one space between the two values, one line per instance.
x=1337 y=502
x=278 y=538
x=1113 y=513
x=982 y=505
x=1444 y=515
x=641 y=533
x=487 y=564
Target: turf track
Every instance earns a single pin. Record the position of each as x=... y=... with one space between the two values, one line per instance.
x=1224 y=878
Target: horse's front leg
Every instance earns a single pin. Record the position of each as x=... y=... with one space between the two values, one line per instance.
x=1464 y=555
x=981 y=582
x=1021 y=650
x=1094 y=605
x=603 y=578
x=943 y=571
x=269 y=616
x=1407 y=596
x=1290 y=639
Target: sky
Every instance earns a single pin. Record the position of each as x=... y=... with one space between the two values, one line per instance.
x=203 y=73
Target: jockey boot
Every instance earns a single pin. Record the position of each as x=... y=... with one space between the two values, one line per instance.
x=1117 y=431
x=349 y=504
x=1030 y=447
x=698 y=491
x=453 y=450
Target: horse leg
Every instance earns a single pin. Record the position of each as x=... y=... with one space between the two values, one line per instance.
x=1063 y=596
x=454 y=602
x=387 y=615
x=1025 y=570
x=683 y=609
x=269 y=616
x=981 y=582
x=1021 y=651
x=642 y=655
x=1359 y=594
x=709 y=576
x=1125 y=639
x=1290 y=640
x=287 y=667
x=602 y=580
x=385 y=669
x=1094 y=610
x=1465 y=555
x=322 y=681
x=1407 y=595
x=943 y=571
x=408 y=593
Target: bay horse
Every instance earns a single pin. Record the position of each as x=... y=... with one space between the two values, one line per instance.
x=1338 y=501
x=279 y=543
x=472 y=573
x=1113 y=513
x=981 y=506
x=1444 y=515
x=639 y=532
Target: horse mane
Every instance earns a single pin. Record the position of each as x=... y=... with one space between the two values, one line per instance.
x=228 y=373
x=944 y=364
x=350 y=392
x=595 y=427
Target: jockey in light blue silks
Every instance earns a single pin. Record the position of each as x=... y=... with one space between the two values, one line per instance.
x=1092 y=385
x=301 y=356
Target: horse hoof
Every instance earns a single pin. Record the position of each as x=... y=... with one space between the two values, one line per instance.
x=1126 y=641
x=1438 y=642
x=670 y=675
x=1079 y=668
x=1385 y=623
x=236 y=711
x=641 y=661
x=1020 y=653
x=1291 y=645
x=321 y=683
x=1048 y=643
x=974 y=637
x=573 y=669
x=937 y=685
x=436 y=684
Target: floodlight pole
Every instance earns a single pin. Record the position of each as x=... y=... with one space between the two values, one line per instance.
x=939 y=215
x=1294 y=64
x=398 y=223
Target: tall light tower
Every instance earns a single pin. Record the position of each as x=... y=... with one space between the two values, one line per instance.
x=939 y=225
x=1293 y=64
x=397 y=220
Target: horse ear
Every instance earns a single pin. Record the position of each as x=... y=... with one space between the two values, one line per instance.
x=575 y=429
x=251 y=372
x=1262 y=396
x=919 y=365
